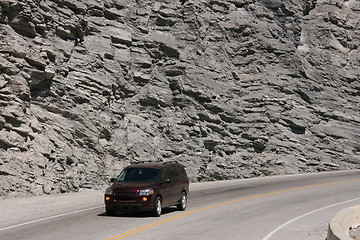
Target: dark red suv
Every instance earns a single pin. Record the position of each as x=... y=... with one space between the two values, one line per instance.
x=148 y=187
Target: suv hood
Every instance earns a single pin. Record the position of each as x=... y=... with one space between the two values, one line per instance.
x=132 y=186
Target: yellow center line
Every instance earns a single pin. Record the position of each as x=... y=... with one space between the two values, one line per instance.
x=169 y=219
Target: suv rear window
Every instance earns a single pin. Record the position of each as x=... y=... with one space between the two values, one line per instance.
x=139 y=175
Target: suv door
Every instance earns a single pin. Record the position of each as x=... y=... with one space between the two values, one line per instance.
x=175 y=182
x=165 y=187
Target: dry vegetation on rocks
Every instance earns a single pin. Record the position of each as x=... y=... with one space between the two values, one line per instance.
x=231 y=89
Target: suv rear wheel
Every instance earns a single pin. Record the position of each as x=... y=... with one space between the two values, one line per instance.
x=157 y=207
x=183 y=202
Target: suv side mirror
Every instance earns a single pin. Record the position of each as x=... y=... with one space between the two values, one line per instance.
x=112 y=179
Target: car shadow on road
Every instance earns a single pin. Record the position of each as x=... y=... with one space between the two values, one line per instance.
x=138 y=214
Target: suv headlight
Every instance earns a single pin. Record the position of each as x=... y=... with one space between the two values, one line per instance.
x=146 y=192
x=109 y=191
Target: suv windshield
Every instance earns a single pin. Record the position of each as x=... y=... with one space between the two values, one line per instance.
x=139 y=175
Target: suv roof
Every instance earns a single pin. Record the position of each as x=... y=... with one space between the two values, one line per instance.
x=151 y=164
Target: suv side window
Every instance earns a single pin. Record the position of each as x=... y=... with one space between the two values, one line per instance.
x=182 y=173
x=174 y=173
x=164 y=175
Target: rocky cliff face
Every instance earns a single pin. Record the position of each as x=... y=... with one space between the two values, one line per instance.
x=231 y=89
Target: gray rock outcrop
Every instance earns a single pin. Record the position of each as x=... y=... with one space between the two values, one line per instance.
x=231 y=89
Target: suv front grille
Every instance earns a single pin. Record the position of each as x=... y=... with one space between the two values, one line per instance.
x=125 y=196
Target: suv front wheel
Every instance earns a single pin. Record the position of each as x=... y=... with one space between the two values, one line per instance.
x=157 y=207
x=109 y=212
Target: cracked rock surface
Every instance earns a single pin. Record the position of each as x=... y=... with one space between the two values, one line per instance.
x=231 y=89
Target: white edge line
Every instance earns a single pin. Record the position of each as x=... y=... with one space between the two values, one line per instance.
x=47 y=218
x=306 y=214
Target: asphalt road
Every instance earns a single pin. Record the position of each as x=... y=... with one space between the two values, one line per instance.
x=277 y=208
